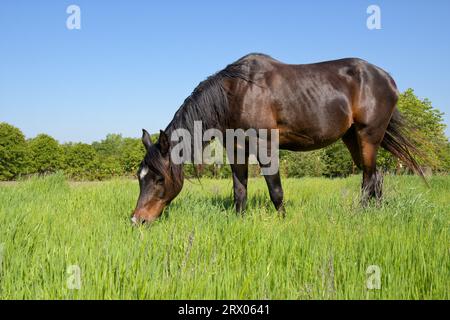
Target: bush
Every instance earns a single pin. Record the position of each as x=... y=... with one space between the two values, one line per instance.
x=302 y=164
x=13 y=152
x=45 y=154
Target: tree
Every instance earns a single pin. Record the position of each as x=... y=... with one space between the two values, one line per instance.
x=429 y=123
x=301 y=164
x=45 y=154
x=338 y=161
x=109 y=152
x=81 y=161
x=120 y=156
x=133 y=152
x=428 y=130
x=110 y=146
x=13 y=152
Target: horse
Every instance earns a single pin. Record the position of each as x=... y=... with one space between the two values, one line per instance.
x=311 y=106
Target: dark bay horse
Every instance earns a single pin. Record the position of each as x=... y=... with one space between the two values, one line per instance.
x=312 y=106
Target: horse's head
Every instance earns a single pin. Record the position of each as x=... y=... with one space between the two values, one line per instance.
x=160 y=180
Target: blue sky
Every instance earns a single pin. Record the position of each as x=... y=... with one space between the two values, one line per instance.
x=133 y=62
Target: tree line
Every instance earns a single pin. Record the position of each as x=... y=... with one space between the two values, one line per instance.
x=117 y=156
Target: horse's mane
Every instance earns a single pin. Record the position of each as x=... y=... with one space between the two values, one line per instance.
x=207 y=103
x=209 y=100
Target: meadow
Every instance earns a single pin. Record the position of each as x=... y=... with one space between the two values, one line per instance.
x=201 y=249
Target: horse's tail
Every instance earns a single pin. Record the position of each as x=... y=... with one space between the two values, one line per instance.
x=399 y=141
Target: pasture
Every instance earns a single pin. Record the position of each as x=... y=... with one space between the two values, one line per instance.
x=203 y=250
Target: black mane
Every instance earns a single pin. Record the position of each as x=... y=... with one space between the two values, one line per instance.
x=209 y=101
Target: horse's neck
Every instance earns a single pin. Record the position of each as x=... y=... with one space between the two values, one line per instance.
x=195 y=128
x=191 y=130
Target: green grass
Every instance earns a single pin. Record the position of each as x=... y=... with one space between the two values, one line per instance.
x=203 y=250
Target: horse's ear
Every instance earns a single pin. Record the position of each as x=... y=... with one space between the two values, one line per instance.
x=146 y=139
x=163 y=142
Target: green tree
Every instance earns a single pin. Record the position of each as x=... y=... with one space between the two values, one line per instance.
x=45 y=154
x=110 y=146
x=133 y=152
x=301 y=164
x=338 y=161
x=13 y=152
x=80 y=161
x=120 y=156
x=109 y=152
x=428 y=131
x=429 y=123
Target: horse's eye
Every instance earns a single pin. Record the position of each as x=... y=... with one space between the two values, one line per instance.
x=159 y=179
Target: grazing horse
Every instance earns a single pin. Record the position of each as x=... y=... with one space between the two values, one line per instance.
x=311 y=106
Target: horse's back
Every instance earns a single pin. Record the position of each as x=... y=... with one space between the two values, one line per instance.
x=312 y=105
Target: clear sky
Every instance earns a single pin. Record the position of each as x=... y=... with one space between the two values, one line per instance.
x=132 y=63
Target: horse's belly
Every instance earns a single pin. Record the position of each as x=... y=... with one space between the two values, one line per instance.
x=300 y=142
x=307 y=128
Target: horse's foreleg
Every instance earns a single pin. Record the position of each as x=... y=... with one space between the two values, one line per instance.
x=240 y=178
x=276 y=191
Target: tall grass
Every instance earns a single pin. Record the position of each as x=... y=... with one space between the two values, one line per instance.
x=201 y=249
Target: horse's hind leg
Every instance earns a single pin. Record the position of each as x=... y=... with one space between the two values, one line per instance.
x=350 y=139
x=372 y=179
x=369 y=140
